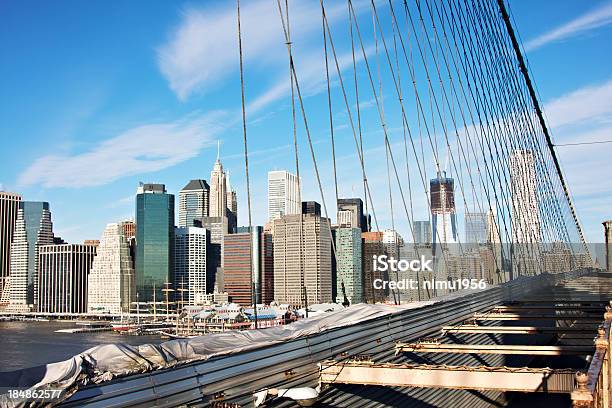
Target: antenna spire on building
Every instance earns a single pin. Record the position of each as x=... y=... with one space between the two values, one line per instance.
x=218 y=149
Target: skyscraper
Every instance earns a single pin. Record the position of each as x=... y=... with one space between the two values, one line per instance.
x=475 y=228
x=218 y=191
x=526 y=233
x=372 y=245
x=33 y=229
x=9 y=206
x=218 y=227
x=248 y=261
x=311 y=208
x=494 y=242
x=443 y=217
x=154 y=240
x=283 y=194
x=232 y=209
x=350 y=214
x=392 y=241
x=232 y=203
x=193 y=202
x=302 y=259
x=525 y=208
x=111 y=281
x=242 y=267
x=267 y=273
x=62 y=277
x=422 y=232
x=190 y=261
x=349 y=265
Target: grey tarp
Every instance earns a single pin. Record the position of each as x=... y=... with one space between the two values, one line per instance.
x=105 y=362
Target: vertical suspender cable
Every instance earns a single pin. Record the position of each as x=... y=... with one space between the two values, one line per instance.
x=246 y=167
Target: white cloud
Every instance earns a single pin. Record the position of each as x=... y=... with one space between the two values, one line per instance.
x=122 y=202
x=584 y=116
x=590 y=103
x=202 y=51
x=599 y=17
x=139 y=150
x=310 y=72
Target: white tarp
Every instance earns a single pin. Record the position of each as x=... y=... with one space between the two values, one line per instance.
x=103 y=363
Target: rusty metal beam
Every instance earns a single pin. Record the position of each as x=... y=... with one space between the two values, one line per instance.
x=435 y=347
x=455 y=377
x=474 y=329
x=538 y=316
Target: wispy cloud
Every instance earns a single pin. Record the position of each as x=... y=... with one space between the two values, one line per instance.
x=310 y=72
x=139 y=150
x=202 y=52
x=584 y=116
x=596 y=18
x=122 y=202
x=260 y=152
x=591 y=103
x=203 y=49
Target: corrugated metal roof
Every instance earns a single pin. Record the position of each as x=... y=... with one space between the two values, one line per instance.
x=294 y=363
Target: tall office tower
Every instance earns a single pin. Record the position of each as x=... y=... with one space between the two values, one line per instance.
x=218 y=191
x=608 y=241
x=232 y=212
x=350 y=214
x=349 y=265
x=111 y=281
x=62 y=277
x=242 y=266
x=248 y=265
x=193 y=202
x=218 y=227
x=284 y=197
x=526 y=233
x=302 y=259
x=33 y=229
x=190 y=262
x=422 y=233
x=232 y=205
x=525 y=208
x=444 y=225
x=475 y=228
x=154 y=240
x=393 y=241
x=311 y=208
x=129 y=230
x=373 y=246
x=9 y=206
x=267 y=273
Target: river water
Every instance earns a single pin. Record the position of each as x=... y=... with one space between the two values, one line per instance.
x=28 y=344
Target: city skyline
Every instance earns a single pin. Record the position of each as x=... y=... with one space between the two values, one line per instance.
x=227 y=203
x=77 y=172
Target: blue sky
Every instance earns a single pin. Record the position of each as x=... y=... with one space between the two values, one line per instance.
x=98 y=96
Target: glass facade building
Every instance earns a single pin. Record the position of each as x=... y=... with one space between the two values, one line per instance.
x=154 y=241
x=475 y=228
x=33 y=228
x=193 y=202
